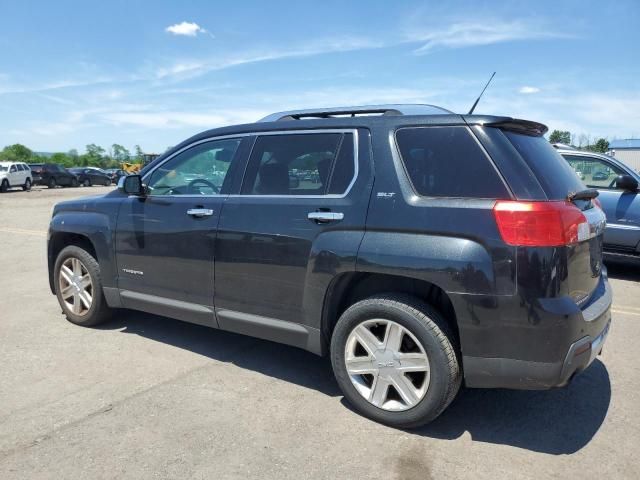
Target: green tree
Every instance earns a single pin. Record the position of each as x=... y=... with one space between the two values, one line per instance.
x=139 y=156
x=63 y=159
x=601 y=145
x=16 y=153
x=120 y=153
x=94 y=156
x=560 y=136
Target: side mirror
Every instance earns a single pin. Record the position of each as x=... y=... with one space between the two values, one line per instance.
x=132 y=185
x=627 y=183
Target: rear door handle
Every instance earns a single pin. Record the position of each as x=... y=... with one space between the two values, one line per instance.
x=325 y=217
x=200 y=212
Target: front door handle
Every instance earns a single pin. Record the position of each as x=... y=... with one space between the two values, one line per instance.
x=200 y=212
x=325 y=217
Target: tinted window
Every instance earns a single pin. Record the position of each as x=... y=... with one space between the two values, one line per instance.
x=299 y=164
x=594 y=172
x=201 y=170
x=13 y=169
x=20 y=168
x=552 y=171
x=448 y=162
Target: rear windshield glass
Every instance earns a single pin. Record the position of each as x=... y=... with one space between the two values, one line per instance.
x=554 y=174
x=448 y=162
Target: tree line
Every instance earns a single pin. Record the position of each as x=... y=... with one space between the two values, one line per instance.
x=582 y=142
x=94 y=156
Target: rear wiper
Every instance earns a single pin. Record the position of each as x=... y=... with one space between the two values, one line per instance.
x=588 y=194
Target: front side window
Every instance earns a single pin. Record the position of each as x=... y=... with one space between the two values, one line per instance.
x=594 y=172
x=13 y=169
x=300 y=164
x=448 y=162
x=200 y=170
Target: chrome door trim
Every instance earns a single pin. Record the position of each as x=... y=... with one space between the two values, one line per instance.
x=353 y=131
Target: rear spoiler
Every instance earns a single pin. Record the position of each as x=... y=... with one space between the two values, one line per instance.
x=526 y=127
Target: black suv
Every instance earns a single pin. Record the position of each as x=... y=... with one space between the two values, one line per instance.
x=52 y=175
x=416 y=247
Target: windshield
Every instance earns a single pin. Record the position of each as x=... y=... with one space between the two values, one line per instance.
x=555 y=175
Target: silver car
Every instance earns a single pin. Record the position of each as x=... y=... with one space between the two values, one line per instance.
x=618 y=187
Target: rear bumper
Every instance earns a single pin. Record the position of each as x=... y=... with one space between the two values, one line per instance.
x=514 y=373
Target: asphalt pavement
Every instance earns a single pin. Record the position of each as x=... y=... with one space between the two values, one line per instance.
x=151 y=397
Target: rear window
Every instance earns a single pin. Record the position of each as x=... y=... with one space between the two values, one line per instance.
x=448 y=162
x=555 y=175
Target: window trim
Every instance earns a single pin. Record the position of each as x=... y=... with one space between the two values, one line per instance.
x=398 y=155
x=256 y=134
x=353 y=131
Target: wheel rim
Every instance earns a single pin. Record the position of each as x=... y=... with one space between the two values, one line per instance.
x=76 y=286
x=387 y=365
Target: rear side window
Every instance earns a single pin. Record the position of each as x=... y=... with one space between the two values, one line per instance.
x=20 y=167
x=555 y=175
x=448 y=162
x=300 y=164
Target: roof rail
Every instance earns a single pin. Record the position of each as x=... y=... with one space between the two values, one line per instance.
x=339 y=112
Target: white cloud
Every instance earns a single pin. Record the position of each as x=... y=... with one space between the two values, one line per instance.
x=528 y=90
x=487 y=32
x=178 y=119
x=187 y=29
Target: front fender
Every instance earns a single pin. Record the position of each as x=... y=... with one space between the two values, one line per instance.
x=96 y=227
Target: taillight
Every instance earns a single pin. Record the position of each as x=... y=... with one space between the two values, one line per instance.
x=540 y=224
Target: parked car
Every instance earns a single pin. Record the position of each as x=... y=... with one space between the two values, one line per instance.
x=91 y=176
x=115 y=174
x=473 y=253
x=15 y=174
x=619 y=196
x=52 y=175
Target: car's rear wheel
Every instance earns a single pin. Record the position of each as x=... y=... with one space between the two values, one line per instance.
x=51 y=183
x=395 y=360
x=27 y=185
x=4 y=186
x=86 y=182
x=78 y=287
x=74 y=182
x=107 y=182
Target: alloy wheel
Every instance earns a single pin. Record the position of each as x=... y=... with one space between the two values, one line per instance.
x=76 y=286
x=387 y=364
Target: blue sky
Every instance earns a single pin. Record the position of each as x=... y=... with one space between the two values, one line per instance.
x=154 y=73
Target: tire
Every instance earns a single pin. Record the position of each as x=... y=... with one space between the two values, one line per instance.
x=99 y=311
x=86 y=182
x=441 y=379
x=51 y=183
x=27 y=185
x=4 y=186
x=107 y=182
x=74 y=182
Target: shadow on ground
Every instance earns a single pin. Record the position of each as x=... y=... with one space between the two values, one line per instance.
x=623 y=269
x=557 y=422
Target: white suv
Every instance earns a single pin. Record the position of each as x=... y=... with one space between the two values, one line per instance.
x=15 y=174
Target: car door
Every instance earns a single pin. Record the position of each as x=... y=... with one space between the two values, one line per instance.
x=299 y=218
x=14 y=175
x=165 y=240
x=622 y=208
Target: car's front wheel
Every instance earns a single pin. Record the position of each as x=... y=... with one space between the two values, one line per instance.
x=395 y=360
x=79 y=287
x=51 y=183
x=27 y=185
x=4 y=186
